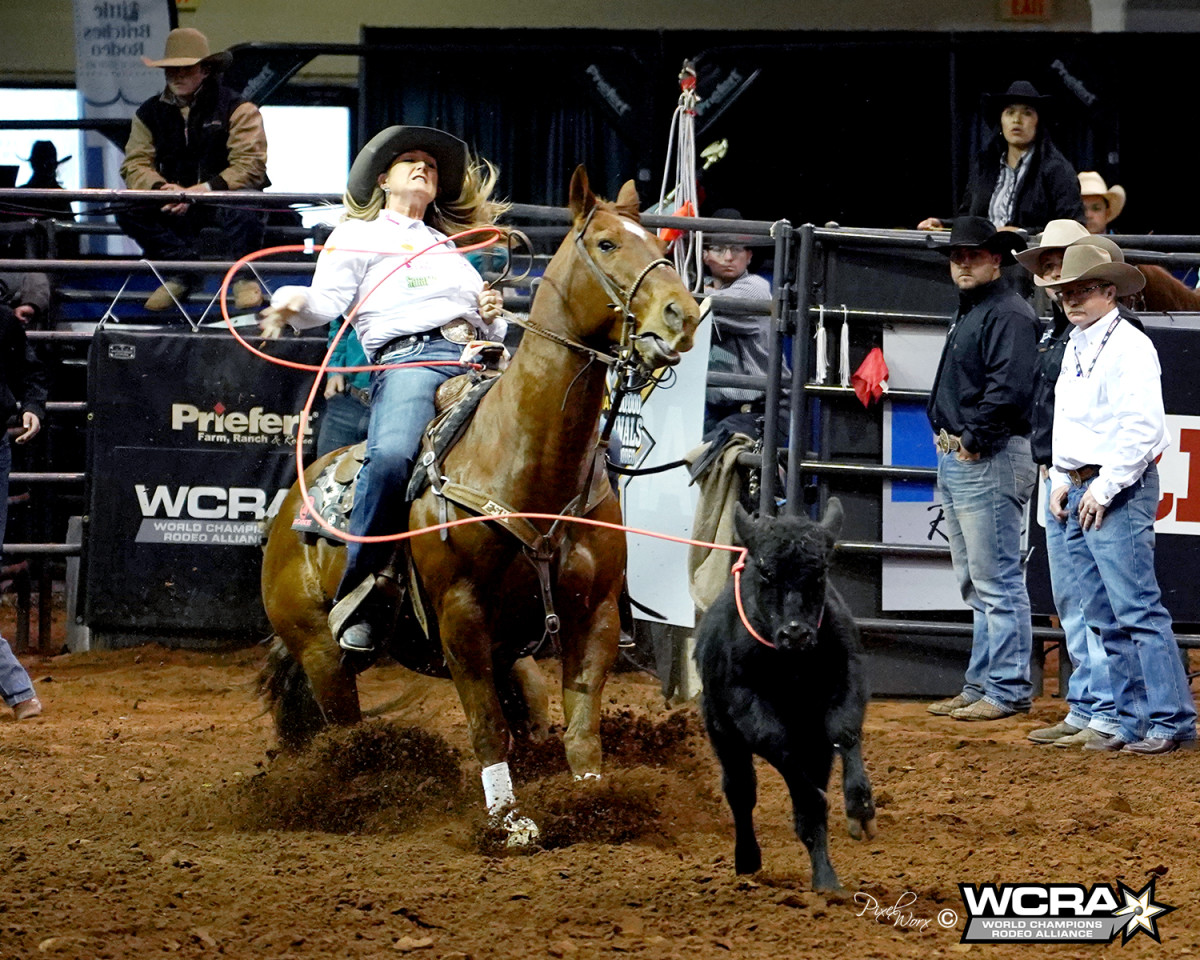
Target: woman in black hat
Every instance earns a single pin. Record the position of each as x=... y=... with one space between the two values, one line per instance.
x=1021 y=179
x=409 y=189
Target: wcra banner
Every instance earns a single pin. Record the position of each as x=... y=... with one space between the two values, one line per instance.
x=192 y=448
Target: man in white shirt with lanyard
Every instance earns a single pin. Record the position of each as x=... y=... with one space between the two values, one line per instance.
x=1109 y=429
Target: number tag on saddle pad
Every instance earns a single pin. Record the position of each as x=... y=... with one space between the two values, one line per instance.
x=332 y=494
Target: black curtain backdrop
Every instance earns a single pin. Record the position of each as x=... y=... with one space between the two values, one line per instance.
x=861 y=129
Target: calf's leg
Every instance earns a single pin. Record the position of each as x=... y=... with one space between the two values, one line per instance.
x=740 y=783
x=856 y=790
x=806 y=782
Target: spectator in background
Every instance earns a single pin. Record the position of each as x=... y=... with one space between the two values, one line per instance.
x=195 y=136
x=1021 y=180
x=979 y=411
x=1163 y=292
x=347 y=395
x=26 y=294
x=1109 y=431
x=23 y=392
x=739 y=343
x=1101 y=204
x=44 y=162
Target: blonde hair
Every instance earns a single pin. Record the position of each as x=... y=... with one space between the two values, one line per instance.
x=472 y=208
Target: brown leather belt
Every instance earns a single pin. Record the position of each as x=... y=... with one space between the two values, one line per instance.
x=361 y=394
x=1083 y=474
x=947 y=442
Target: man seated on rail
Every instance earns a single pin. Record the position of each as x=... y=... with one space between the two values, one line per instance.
x=740 y=344
x=195 y=136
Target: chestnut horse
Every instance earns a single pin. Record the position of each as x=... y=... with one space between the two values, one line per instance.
x=607 y=296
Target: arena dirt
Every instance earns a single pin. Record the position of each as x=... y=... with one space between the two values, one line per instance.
x=148 y=813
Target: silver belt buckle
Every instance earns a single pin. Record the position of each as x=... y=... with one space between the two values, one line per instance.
x=947 y=442
x=458 y=330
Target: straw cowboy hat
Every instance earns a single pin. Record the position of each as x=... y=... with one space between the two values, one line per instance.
x=1115 y=253
x=981 y=233
x=186 y=48
x=1092 y=261
x=382 y=150
x=1057 y=235
x=1091 y=184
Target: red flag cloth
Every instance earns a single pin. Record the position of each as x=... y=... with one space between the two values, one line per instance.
x=870 y=379
x=668 y=234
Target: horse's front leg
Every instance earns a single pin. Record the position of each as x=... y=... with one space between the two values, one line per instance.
x=589 y=652
x=466 y=642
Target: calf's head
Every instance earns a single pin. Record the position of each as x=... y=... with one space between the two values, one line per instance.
x=787 y=567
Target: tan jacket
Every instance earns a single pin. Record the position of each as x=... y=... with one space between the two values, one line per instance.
x=247 y=168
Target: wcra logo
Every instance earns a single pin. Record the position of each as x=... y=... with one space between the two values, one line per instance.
x=1059 y=912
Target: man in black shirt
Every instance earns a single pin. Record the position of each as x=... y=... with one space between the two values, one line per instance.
x=979 y=410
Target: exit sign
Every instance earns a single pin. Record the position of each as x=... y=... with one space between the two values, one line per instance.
x=1028 y=10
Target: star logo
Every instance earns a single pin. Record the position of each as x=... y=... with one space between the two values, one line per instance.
x=1142 y=911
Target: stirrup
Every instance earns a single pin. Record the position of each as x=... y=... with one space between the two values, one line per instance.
x=342 y=611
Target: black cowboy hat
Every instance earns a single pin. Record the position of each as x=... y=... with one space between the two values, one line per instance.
x=979 y=233
x=45 y=154
x=383 y=148
x=732 y=239
x=1020 y=91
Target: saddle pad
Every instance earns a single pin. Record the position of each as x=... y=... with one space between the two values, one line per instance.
x=333 y=496
x=443 y=432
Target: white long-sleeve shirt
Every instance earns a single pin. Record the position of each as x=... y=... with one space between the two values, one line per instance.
x=1113 y=416
x=436 y=287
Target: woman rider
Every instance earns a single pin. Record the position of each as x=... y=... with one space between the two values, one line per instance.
x=409 y=188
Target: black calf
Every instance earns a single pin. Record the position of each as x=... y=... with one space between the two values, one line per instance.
x=793 y=704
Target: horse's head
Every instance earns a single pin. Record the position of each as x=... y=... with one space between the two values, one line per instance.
x=631 y=291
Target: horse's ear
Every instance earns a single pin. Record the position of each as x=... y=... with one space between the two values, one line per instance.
x=582 y=199
x=628 y=204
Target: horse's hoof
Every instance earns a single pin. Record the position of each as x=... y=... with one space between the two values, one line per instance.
x=587 y=778
x=521 y=830
x=862 y=828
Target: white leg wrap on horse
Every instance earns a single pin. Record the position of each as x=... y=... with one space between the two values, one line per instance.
x=497 y=787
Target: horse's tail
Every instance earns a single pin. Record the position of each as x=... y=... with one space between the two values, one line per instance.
x=284 y=686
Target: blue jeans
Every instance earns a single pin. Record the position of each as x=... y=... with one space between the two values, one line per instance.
x=343 y=423
x=1089 y=691
x=15 y=685
x=401 y=407
x=984 y=502
x=1123 y=603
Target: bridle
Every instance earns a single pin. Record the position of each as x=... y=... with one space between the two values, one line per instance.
x=625 y=357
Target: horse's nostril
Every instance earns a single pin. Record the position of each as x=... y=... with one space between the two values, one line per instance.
x=673 y=315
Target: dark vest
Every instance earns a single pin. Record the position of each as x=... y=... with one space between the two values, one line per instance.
x=200 y=152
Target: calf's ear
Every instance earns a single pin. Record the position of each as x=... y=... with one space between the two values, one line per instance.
x=832 y=521
x=743 y=524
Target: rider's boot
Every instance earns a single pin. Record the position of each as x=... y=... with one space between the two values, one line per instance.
x=372 y=617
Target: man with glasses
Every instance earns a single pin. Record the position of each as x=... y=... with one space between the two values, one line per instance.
x=739 y=343
x=979 y=411
x=1091 y=710
x=1109 y=430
